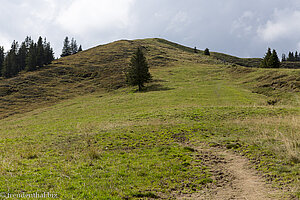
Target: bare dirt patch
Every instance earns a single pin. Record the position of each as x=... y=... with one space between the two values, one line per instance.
x=233 y=178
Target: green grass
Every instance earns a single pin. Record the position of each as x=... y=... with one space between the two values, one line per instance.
x=246 y=62
x=123 y=144
x=280 y=86
x=290 y=65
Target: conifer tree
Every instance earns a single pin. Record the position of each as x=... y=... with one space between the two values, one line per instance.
x=265 y=61
x=14 y=61
x=195 y=50
x=28 y=41
x=283 y=58
x=138 y=72
x=48 y=52
x=273 y=61
x=291 y=57
x=49 y=55
x=73 y=46
x=31 y=60
x=40 y=58
x=21 y=56
x=66 y=51
x=2 y=55
x=206 y=52
x=80 y=48
x=10 y=67
x=6 y=69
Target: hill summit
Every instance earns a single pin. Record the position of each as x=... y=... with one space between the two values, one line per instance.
x=99 y=68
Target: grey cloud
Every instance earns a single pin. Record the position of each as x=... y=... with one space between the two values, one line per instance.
x=242 y=28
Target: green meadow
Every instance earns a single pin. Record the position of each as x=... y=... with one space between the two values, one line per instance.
x=124 y=144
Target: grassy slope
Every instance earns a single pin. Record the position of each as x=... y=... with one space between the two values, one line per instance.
x=246 y=62
x=123 y=144
x=97 y=69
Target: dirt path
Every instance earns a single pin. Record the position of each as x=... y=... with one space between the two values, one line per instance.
x=234 y=178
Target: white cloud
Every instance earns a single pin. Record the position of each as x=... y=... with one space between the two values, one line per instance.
x=26 y=18
x=84 y=16
x=4 y=41
x=284 y=25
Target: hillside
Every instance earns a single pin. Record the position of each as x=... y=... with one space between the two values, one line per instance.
x=246 y=62
x=102 y=68
x=202 y=129
x=99 y=68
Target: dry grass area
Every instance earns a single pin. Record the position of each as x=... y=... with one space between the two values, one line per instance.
x=282 y=130
x=280 y=138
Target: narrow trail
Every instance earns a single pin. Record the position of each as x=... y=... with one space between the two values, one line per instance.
x=234 y=178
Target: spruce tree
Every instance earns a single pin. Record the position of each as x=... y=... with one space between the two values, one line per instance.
x=31 y=60
x=265 y=60
x=14 y=60
x=2 y=55
x=283 y=58
x=21 y=56
x=273 y=61
x=206 y=52
x=28 y=41
x=296 y=56
x=10 y=66
x=66 y=51
x=195 y=50
x=291 y=57
x=6 y=69
x=49 y=55
x=138 y=72
x=48 y=52
x=40 y=58
x=80 y=48
x=73 y=46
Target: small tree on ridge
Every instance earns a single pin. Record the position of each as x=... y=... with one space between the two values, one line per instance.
x=138 y=72
x=206 y=52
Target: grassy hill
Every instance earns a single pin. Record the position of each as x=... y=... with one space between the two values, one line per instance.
x=97 y=69
x=74 y=129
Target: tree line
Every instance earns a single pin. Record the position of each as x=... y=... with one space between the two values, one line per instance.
x=27 y=56
x=292 y=57
x=70 y=48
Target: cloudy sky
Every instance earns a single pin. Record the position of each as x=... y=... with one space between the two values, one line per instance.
x=241 y=28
